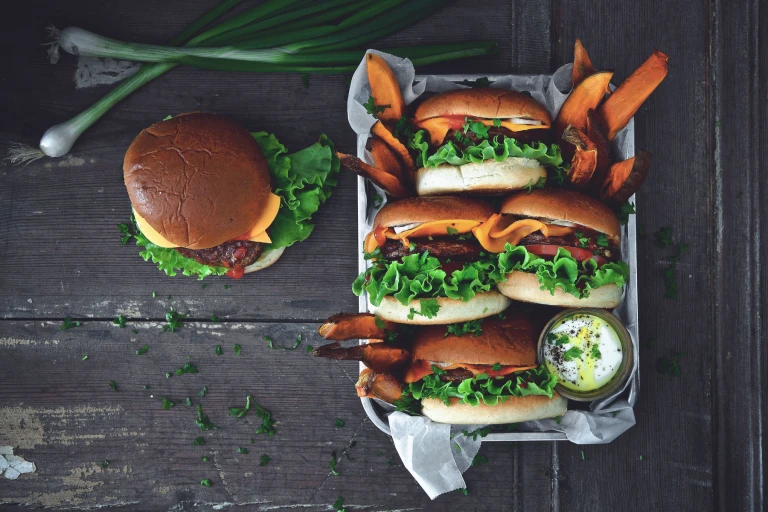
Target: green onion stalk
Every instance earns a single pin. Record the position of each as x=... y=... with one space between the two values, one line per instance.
x=286 y=36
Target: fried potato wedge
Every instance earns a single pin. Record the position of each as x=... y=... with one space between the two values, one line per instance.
x=596 y=133
x=379 y=357
x=384 y=89
x=582 y=66
x=350 y=326
x=625 y=178
x=384 y=134
x=586 y=95
x=378 y=385
x=584 y=161
x=383 y=179
x=620 y=106
x=385 y=158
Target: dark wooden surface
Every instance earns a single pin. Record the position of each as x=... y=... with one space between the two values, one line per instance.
x=699 y=440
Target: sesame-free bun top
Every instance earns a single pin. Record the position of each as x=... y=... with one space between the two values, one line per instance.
x=427 y=209
x=566 y=205
x=197 y=179
x=486 y=103
x=508 y=341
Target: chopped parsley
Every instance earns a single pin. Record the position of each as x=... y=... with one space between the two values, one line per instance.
x=339 y=422
x=189 y=401
x=451 y=231
x=496 y=367
x=113 y=385
x=167 y=404
x=474 y=327
x=456 y=445
x=199 y=441
x=663 y=237
x=272 y=345
x=669 y=366
x=496 y=122
x=125 y=229
x=142 y=350
x=531 y=185
x=572 y=353
x=333 y=463
x=482 y=432
x=267 y=423
x=203 y=391
x=105 y=464
x=412 y=246
x=120 y=320
x=219 y=351
x=372 y=108
x=625 y=211
x=309 y=348
x=187 y=368
x=85 y=357
x=583 y=240
x=338 y=505
x=595 y=353
x=202 y=420
x=556 y=340
x=479 y=460
x=241 y=411
x=168 y=375
x=265 y=460
x=244 y=451
x=204 y=458
x=601 y=240
x=237 y=348
x=429 y=309
x=463 y=491
x=69 y=323
x=206 y=482
x=174 y=320
x=670 y=275
x=214 y=319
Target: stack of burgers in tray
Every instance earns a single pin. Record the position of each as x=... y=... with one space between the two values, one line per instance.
x=492 y=207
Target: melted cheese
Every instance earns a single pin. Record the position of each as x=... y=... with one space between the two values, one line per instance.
x=493 y=234
x=258 y=233
x=438 y=127
x=436 y=228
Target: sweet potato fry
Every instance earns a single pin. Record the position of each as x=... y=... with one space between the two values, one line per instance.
x=584 y=161
x=596 y=133
x=379 y=385
x=384 y=89
x=384 y=158
x=384 y=134
x=386 y=181
x=379 y=357
x=588 y=94
x=625 y=178
x=350 y=326
x=582 y=66
x=620 y=106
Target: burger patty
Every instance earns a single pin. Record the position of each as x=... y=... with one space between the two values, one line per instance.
x=525 y=137
x=456 y=375
x=536 y=238
x=461 y=250
x=230 y=254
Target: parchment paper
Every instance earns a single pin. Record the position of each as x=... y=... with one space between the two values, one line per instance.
x=426 y=448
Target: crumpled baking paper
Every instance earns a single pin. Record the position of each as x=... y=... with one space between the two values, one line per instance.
x=12 y=466
x=426 y=448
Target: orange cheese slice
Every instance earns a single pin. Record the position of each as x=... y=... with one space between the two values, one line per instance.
x=495 y=233
x=258 y=233
x=433 y=228
x=438 y=127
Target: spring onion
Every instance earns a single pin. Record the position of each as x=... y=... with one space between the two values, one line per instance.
x=295 y=36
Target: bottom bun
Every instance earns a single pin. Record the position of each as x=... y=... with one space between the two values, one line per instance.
x=525 y=287
x=490 y=176
x=514 y=410
x=451 y=310
x=265 y=260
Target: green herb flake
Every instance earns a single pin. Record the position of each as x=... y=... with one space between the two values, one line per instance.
x=154 y=295
x=69 y=323
x=338 y=505
x=479 y=460
x=134 y=331
x=601 y=240
x=625 y=211
x=168 y=375
x=174 y=320
x=199 y=441
x=105 y=464
x=582 y=454
x=265 y=460
x=372 y=108
x=203 y=391
x=187 y=368
x=202 y=420
x=219 y=351
x=572 y=353
x=333 y=463
x=206 y=482
x=583 y=240
x=267 y=423
x=339 y=422
x=125 y=231
x=204 y=458
x=227 y=286
x=189 y=401
x=85 y=357
x=451 y=231
x=271 y=344
x=496 y=122
x=237 y=348
x=309 y=348
x=239 y=412
x=243 y=451
x=670 y=366
x=429 y=309
x=203 y=286
x=120 y=321
x=378 y=453
x=463 y=491
x=142 y=350
x=214 y=319
x=113 y=385
x=482 y=432
x=663 y=237
x=456 y=445
x=167 y=404
x=595 y=353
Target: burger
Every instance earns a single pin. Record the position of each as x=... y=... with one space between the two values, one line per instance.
x=210 y=198
x=426 y=265
x=483 y=141
x=557 y=247
x=486 y=376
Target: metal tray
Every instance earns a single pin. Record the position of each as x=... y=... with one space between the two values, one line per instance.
x=626 y=311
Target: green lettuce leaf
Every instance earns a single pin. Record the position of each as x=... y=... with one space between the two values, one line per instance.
x=421 y=276
x=304 y=180
x=563 y=271
x=498 y=148
x=481 y=388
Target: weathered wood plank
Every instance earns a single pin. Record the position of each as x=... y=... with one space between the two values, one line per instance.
x=739 y=86
x=673 y=434
x=61 y=413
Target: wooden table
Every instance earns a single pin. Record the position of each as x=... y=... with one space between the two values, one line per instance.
x=699 y=439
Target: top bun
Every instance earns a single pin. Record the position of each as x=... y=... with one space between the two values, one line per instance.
x=427 y=209
x=567 y=205
x=197 y=179
x=487 y=103
x=511 y=341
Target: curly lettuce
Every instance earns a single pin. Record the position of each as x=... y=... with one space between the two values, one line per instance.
x=420 y=276
x=480 y=388
x=498 y=148
x=304 y=180
x=563 y=271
